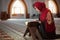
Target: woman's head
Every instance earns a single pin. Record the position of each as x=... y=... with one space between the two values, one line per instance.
x=39 y=5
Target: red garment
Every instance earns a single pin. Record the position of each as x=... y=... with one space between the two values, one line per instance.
x=41 y=6
x=50 y=27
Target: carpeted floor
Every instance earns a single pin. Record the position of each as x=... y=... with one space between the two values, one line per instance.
x=4 y=36
x=19 y=25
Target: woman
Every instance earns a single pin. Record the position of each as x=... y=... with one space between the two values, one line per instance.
x=46 y=19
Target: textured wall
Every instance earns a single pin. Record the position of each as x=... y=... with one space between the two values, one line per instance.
x=58 y=2
x=0 y=5
x=5 y=5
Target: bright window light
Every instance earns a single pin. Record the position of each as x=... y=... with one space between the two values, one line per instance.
x=52 y=6
x=17 y=7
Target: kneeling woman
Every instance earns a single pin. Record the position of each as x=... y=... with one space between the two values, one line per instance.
x=46 y=19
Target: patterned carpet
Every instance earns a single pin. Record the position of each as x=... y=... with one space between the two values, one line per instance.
x=19 y=25
x=4 y=36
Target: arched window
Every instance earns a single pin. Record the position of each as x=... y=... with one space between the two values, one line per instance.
x=52 y=6
x=17 y=7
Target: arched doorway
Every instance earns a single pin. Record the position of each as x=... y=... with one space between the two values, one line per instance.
x=17 y=8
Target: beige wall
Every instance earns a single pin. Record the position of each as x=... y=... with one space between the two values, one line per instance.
x=58 y=2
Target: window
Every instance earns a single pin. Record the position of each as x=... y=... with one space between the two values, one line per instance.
x=52 y=6
x=21 y=7
x=17 y=7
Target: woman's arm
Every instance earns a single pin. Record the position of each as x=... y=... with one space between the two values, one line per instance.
x=49 y=18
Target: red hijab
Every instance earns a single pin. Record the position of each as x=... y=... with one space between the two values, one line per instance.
x=41 y=6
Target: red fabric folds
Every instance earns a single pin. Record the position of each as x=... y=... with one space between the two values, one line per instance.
x=41 y=6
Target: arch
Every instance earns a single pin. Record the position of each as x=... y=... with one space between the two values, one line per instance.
x=11 y=3
x=18 y=7
x=52 y=5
